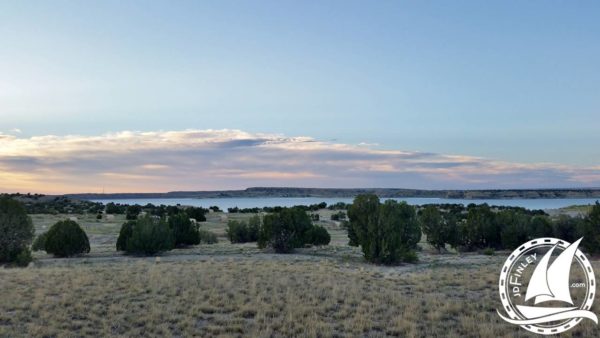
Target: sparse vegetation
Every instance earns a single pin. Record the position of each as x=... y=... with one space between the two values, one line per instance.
x=251 y=297
x=43 y=204
x=326 y=290
x=489 y=251
x=207 y=237
x=338 y=216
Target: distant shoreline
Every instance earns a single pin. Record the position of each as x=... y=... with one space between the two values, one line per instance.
x=348 y=193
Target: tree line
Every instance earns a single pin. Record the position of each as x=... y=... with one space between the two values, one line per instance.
x=483 y=227
x=131 y=211
x=387 y=233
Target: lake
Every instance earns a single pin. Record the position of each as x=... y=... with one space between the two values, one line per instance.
x=253 y=202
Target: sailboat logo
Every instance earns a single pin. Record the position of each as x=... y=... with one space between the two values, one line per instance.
x=555 y=299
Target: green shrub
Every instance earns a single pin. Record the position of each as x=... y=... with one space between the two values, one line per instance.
x=184 y=230
x=132 y=212
x=338 y=216
x=207 y=237
x=23 y=258
x=540 y=226
x=237 y=231
x=242 y=232
x=589 y=229
x=125 y=235
x=385 y=232
x=318 y=235
x=566 y=227
x=66 y=238
x=150 y=235
x=439 y=230
x=410 y=256
x=16 y=229
x=489 y=251
x=480 y=230
x=112 y=208
x=39 y=244
x=284 y=230
x=197 y=213
x=514 y=228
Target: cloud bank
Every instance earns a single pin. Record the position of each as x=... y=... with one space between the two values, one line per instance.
x=159 y=161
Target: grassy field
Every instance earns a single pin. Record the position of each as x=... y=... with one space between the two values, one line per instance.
x=238 y=290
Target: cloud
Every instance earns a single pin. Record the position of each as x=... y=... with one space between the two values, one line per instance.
x=233 y=159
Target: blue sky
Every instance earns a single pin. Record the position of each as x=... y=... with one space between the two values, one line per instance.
x=507 y=81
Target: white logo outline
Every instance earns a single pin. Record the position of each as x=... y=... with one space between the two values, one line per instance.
x=543 y=288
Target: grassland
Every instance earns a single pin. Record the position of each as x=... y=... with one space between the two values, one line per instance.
x=238 y=290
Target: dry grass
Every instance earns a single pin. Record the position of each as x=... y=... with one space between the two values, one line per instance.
x=252 y=297
x=238 y=290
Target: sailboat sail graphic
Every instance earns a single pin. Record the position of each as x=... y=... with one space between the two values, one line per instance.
x=550 y=283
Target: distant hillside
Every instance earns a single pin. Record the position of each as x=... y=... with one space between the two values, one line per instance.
x=382 y=192
x=52 y=204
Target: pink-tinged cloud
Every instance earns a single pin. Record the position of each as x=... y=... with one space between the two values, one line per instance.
x=131 y=161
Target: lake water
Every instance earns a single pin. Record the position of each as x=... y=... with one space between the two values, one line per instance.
x=253 y=202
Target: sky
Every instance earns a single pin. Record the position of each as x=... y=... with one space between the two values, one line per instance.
x=197 y=95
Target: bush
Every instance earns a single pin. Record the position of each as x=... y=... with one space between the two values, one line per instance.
x=480 y=229
x=125 y=235
x=439 y=231
x=112 y=208
x=352 y=237
x=237 y=231
x=23 y=258
x=150 y=235
x=16 y=229
x=254 y=223
x=567 y=228
x=39 y=244
x=197 y=213
x=489 y=251
x=132 y=212
x=242 y=232
x=318 y=235
x=386 y=233
x=363 y=216
x=540 y=226
x=184 y=230
x=514 y=228
x=207 y=237
x=338 y=216
x=410 y=256
x=284 y=230
x=589 y=229
x=66 y=238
